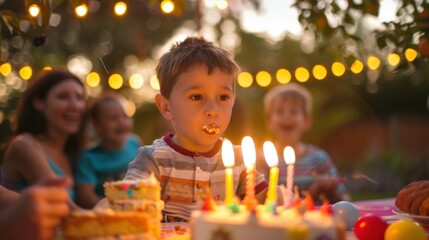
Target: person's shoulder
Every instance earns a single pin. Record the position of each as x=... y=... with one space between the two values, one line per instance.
x=25 y=141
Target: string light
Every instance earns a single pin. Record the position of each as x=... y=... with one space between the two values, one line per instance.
x=120 y=8
x=115 y=81
x=373 y=62
x=210 y=3
x=263 y=78
x=302 y=74
x=338 y=69
x=410 y=54
x=283 y=76
x=81 y=10
x=5 y=69
x=222 y=4
x=34 y=10
x=136 y=81
x=245 y=79
x=154 y=82
x=319 y=72
x=93 y=79
x=26 y=72
x=393 y=59
x=357 y=67
x=167 y=6
x=47 y=68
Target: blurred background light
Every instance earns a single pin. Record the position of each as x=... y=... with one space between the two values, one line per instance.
x=302 y=74
x=357 y=67
x=115 y=81
x=283 y=76
x=120 y=8
x=263 y=78
x=338 y=69
x=319 y=72
x=245 y=79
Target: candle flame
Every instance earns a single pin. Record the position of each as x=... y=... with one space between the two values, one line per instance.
x=270 y=154
x=248 y=151
x=227 y=153
x=289 y=155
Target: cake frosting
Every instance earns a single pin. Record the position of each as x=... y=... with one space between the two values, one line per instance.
x=263 y=222
x=134 y=212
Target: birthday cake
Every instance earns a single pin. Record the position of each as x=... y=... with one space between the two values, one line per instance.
x=236 y=222
x=134 y=212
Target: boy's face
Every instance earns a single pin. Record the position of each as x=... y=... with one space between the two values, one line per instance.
x=113 y=125
x=287 y=119
x=200 y=107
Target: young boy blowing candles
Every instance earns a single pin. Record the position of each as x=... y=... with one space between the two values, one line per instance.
x=197 y=83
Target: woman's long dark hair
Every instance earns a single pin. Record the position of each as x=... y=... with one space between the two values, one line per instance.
x=30 y=120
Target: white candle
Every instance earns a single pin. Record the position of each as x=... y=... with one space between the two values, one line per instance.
x=228 y=162
x=249 y=157
x=272 y=159
x=289 y=156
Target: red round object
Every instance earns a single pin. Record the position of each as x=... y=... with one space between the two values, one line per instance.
x=370 y=227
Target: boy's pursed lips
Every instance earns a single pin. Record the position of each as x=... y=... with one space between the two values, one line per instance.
x=211 y=129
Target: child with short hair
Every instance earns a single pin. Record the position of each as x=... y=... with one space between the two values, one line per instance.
x=288 y=114
x=109 y=158
x=197 y=93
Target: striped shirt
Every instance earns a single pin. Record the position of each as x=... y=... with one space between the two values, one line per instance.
x=187 y=177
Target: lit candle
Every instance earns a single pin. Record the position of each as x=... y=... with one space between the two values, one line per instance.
x=249 y=157
x=228 y=162
x=272 y=159
x=289 y=156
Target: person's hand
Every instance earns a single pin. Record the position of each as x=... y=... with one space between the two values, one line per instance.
x=410 y=198
x=324 y=185
x=37 y=212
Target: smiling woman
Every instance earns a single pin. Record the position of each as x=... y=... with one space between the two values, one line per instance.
x=49 y=130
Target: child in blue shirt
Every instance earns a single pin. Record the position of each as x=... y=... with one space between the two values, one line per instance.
x=109 y=159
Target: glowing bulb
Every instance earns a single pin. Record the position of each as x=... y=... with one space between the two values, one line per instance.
x=167 y=6
x=5 y=69
x=319 y=72
x=302 y=74
x=356 y=67
x=116 y=81
x=136 y=81
x=34 y=10
x=283 y=76
x=393 y=59
x=154 y=82
x=338 y=69
x=263 y=78
x=81 y=10
x=47 y=68
x=26 y=72
x=245 y=79
x=222 y=4
x=373 y=62
x=410 y=54
x=93 y=79
x=210 y=3
x=120 y=8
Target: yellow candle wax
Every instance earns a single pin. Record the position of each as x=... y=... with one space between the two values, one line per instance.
x=272 y=188
x=229 y=187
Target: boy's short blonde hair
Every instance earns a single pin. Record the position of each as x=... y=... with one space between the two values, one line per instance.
x=193 y=51
x=291 y=90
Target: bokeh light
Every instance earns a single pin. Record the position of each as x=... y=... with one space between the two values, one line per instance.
x=410 y=54
x=47 y=68
x=338 y=69
x=93 y=79
x=116 y=81
x=319 y=72
x=167 y=6
x=373 y=62
x=263 y=78
x=26 y=72
x=222 y=4
x=34 y=10
x=357 y=67
x=136 y=81
x=210 y=3
x=245 y=79
x=81 y=10
x=302 y=74
x=5 y=69
x=120 y=8
x=154 y=82
x=283 y=76
x=393 y=59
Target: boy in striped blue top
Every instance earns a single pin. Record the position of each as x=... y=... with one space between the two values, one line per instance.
x=197 y=93
x=288 y=114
